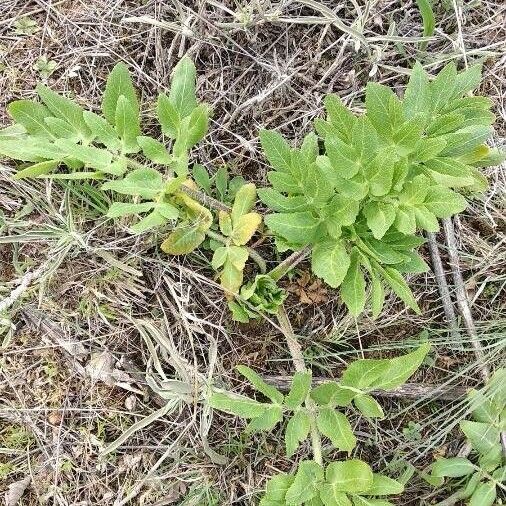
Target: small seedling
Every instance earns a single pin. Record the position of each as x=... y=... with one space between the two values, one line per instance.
x=25 y=26
x=45 y=67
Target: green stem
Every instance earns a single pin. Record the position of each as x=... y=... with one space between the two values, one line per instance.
x=300 y=366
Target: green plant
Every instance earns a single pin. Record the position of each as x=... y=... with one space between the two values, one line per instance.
x=313 y=412
x=477 y=478
x=355 y=205
x=25 y=26
x=45 y=67
x=383 y=176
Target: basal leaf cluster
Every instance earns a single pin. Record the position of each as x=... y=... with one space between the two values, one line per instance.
x=380 y=178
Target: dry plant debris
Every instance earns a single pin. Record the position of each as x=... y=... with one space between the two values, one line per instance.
x=261 y=65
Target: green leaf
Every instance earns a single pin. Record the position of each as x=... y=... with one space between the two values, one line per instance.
x=276 y=487
x=377 y=296
x=380 y=217
x=363 y=373
x=449 y=172
x=116 y=168
x=397 y=283
x=119 y=209
x=198 y=124
x=383 y=485
x=182 y=88
x=64 y=109
x=401 y=368
x=219 y=257
x=259 y=384
x=154 y=150
x=60 y=128
x=331 y=393
x=30 y=149
x=301 y=384
x=344 y=161
x=237 y=256
x=467 y=80
x=244 y=228
x=14 y=131
x=442 y=87
x=342 y=211
x=317 y=187
x=309 y=148
x=297 y=228
x=446 y=123
x=483 y=408
x=484 y=495
x=377 y=101
x=221 y=182
x=127 y=125
x=306 y=484
x=380 y=172
x=426 y=149
x=484 y=438
x=408 y=135
x=332 y=497
x=415 y=264
x=415 y=191
x=365 y=501
x=337 y=428
x=276 y=149
x=353 y=286
x=184 y=239
x=453 y=467
x=119 y=83
x=168 y=116
x=352 y=476
x=417 y=95
x=266 y=421
x=31 y=115
x=275 y=201
x=368 y=406
x=167 y=210
x=365 y=139
x=339 y=116
x=201 y=177
x=297 y=431
x=90 y=156
x=38 y=169
x=244 y=201
x=152 y=220
x=283 y=182
x=425 y=220
x=330 y=261
x=238 y=405
x=102 y=130
x=465 y=140
x=145 y=182
x=444 y=202
x=225 y=223
x=405 y=220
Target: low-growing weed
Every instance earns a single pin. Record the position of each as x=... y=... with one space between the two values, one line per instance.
x=354 y=196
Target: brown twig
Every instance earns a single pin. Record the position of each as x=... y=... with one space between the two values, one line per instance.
x=437 y=267
x=462 y=299
x=406 y=391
